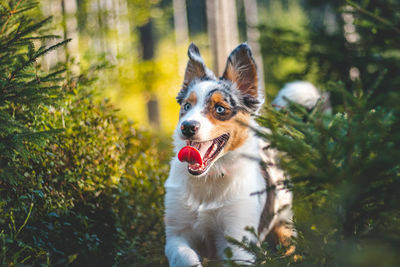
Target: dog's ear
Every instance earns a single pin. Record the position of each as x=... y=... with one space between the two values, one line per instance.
x=195 y=69
x=241 y=69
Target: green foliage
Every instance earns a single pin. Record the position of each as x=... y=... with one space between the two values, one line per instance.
x=344 y=167
x=358 y=37
x=284 y=44
x=81 y=186
x=265 y=254
x=23 y=86
x=365 y=44
x=96 y=191
x=345 y=173
x=88 y=194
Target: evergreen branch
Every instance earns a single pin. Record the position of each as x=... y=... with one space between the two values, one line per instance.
x=23 y=94
x=47 y=77
x=30 y=91
x=376 y=83
x=31 y=28
x=12 y=12
x=373 y=16
x=4 y=7
x=22 y=10
x=33 y=59
x=10 y=41
x=52 y=48
x=43 y=37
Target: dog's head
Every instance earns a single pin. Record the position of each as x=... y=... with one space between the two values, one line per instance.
x=214 y=112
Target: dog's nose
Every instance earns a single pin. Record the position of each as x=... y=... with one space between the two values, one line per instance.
x=189 y=128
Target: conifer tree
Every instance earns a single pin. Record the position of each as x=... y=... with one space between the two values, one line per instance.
x=24 y=87
x=79 y=185
x=344 y=167
x=26 y=94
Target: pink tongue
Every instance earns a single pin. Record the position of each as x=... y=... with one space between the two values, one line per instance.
x=190 y=154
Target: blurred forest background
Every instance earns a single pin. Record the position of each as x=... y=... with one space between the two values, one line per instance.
x=144 y=43
x=87 y=107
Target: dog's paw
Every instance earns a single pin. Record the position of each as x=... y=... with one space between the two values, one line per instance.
x=184 y=257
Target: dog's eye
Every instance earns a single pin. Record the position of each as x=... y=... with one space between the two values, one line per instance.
x=187 y=106
x=220 y=109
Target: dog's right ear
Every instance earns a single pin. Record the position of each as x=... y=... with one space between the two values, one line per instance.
x=195 y=69
x=241 y=69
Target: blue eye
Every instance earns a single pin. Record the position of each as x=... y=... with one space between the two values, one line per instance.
x=187 y=106
x=220 y=109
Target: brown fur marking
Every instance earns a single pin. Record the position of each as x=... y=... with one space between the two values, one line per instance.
x=235 y=125
x=218 y=99
x=268 y=211
x=282 y=234
x=192 y=99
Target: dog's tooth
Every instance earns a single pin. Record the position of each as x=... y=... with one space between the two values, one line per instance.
x=214 y=149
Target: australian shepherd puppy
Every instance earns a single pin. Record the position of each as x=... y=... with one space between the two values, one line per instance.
x=224 y=178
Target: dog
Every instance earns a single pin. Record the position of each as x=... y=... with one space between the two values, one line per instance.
x=303 y=93
x=223 y=178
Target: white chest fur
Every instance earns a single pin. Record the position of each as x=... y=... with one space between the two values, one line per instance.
x=201 y=211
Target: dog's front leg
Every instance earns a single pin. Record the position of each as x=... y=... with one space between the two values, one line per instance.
x=239 y=255
x=235 y=228
x=179 y=252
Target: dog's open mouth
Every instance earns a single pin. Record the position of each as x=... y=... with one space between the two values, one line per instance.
x=200 y=155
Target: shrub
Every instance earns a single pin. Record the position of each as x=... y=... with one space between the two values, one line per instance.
x=344 y=167
x=79 y=184
x=345 y=174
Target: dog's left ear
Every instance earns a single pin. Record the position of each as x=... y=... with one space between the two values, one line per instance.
x=241 y=69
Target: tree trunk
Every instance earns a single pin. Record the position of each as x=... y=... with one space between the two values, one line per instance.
x=253 y=36
x=64 y=27
x=153 y=111
x=122 y=25
x=222 y=31
x=111 y=25
x=147 y=42
x=70 y=28
x=180 y=22
x=82 y=15
x=181 y=30
x=53 y=8
x=100 y=29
